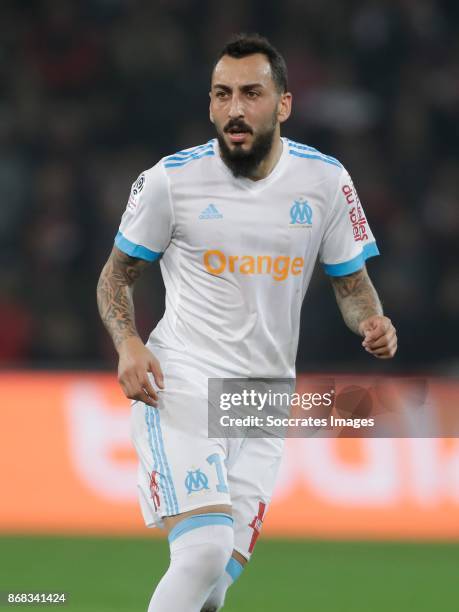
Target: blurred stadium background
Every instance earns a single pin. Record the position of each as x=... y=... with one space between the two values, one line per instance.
x=94 y=91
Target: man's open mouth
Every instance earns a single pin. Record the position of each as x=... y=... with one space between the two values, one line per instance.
x=238 y=136
x=237 y=133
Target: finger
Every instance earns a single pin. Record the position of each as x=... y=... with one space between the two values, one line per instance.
x=367 y=328
x=383 y=327
x=142 y=396
x=148 y=388
x=393 y=346
x=385 y=352
x=377 y=328
x=133 y=390
x=384 y=340
x=373 y=336
x=127 y=385
x=155 y=369
x=375 y=321
x=385 y=356
x=144 y=389
x=379 y=351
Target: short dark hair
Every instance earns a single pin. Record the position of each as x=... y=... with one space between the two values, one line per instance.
x=242 y=45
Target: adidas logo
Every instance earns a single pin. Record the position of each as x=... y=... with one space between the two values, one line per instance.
x=211 y=212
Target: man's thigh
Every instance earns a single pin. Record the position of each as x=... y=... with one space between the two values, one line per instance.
x=180 y=468
x=251 y=480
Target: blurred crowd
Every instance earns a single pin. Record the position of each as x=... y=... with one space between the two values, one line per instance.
x=94 y=91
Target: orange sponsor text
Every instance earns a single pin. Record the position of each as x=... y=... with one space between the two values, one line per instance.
x=280 y=267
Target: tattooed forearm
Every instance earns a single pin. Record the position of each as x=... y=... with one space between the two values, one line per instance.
x=357 y=298
x=114 y=295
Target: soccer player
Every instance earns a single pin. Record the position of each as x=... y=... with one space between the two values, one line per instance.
x=237 y=224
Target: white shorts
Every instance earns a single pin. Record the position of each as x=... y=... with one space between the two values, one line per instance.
x=182 y=469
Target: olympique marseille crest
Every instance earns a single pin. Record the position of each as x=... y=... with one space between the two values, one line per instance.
x=195 y=481
x=300 y=214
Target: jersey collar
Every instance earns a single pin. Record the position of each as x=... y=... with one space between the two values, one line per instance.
x=247 y=183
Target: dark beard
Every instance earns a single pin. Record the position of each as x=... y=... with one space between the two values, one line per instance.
x=245 y=163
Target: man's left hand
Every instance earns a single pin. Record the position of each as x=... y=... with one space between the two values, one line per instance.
x=380 y=337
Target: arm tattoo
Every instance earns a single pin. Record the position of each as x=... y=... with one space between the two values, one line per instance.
x=357 y=298
x=114 y=294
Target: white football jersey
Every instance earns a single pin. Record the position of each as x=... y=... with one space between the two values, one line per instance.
x=237 y=255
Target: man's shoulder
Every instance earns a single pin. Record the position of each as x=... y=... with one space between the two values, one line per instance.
x=189 y=157
x=315 y=159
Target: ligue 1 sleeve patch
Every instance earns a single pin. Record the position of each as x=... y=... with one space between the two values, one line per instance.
x=136 y=189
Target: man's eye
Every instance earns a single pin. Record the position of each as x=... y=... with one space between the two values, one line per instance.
x=252 y=94
x=221 y=94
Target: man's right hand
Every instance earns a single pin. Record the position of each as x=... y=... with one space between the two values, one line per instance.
x=135 y=361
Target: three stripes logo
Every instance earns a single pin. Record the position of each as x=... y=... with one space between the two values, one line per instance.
x=211 y=212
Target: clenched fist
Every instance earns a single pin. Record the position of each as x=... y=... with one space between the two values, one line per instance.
x=380 y=337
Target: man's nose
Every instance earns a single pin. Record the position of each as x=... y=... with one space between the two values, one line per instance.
x=236 y=108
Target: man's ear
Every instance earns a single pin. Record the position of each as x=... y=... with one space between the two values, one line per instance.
x=285 y=107
x=211 y=117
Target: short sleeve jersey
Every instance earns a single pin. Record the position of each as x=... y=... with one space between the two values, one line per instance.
x=237 y=255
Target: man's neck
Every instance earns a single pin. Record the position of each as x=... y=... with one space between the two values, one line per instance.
x=269 y=163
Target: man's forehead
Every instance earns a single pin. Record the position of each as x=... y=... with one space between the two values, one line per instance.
x=236 y=72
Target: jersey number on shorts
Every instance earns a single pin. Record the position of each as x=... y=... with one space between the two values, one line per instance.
x=216 y=459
